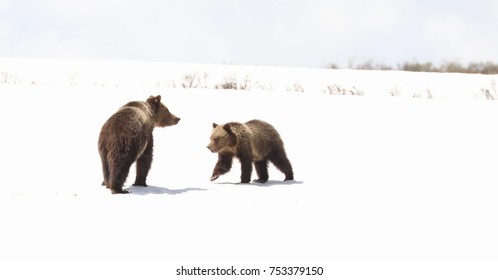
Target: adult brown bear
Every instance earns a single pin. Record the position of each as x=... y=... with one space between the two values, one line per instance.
x=255 y=142
x=126 y=137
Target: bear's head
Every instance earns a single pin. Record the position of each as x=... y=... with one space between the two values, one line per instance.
x=163 y=116
x=222 y=139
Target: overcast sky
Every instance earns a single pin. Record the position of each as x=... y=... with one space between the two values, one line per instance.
x=262 y=32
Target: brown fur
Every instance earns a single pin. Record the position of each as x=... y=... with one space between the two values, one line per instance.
x=126 y=137
x=252 y=142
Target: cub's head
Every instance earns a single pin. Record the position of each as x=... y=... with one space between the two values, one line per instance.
x=222 y=139
x=163 y=115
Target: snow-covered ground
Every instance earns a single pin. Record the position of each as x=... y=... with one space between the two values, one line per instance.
x=402 y=178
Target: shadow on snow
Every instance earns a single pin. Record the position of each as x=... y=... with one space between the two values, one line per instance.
x=138 y=190
x=268 y=183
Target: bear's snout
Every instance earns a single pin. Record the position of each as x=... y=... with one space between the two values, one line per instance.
x=211 y=148
x=168 y=120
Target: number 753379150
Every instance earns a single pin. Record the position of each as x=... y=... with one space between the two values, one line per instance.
x=296 y=270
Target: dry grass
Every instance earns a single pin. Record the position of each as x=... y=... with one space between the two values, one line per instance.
x=487 y=67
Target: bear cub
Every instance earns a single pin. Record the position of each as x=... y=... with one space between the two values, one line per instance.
x=126 y=137
x=255 y=142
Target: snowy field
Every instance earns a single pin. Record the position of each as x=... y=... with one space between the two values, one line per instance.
x=396 y=179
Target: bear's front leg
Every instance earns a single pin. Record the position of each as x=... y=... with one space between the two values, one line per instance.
x=223 y=165
x=144 y=163
x=246 y=168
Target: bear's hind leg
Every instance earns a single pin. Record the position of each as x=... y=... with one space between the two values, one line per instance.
x=280 y=160
x=117 y=177
x=105 y=172
x=117 y=181
x=262 y=171
x=105 y=165
x=144 y=163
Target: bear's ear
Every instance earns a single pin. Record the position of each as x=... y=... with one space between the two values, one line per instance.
x=215 y=125
x=154 y=100
x=227 y=128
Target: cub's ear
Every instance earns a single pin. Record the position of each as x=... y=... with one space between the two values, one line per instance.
x=227 y=128
x=215 y=125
